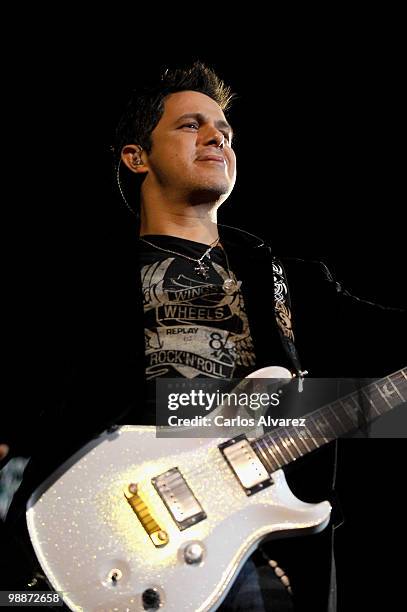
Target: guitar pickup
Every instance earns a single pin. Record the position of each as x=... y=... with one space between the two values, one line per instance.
x=158 y=536
x=246 y=465
x=179 y=499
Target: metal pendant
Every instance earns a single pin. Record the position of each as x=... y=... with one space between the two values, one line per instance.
x=202 y=270
x=230 y=286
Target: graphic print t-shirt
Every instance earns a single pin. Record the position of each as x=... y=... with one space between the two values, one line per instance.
x=192 y=327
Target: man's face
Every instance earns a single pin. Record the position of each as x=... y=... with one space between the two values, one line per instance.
x=191 y=154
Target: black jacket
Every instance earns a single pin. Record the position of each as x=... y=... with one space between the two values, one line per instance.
x=99 y=380
x=93 y=375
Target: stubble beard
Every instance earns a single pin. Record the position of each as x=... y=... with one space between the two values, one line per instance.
x=210 y=192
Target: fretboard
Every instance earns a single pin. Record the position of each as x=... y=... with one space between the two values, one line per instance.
x=283 y=445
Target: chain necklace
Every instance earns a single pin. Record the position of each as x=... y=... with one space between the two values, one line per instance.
x=229 y=286
x=201 y=268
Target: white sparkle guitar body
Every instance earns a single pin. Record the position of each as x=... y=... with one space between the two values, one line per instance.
x=85 y=532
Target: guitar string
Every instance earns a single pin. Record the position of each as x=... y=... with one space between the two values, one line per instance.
x=288 y=433
x=272 y=446
x=222 y=465
x=277 y=445
x=221 y=462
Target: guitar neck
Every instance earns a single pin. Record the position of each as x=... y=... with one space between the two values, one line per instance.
x=286 y=444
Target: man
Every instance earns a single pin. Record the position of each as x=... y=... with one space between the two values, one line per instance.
x=214 y=301
x=188 y=169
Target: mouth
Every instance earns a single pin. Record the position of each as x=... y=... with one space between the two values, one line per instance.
x=212 y=158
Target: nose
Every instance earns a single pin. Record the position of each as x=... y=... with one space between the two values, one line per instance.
x=214 y=137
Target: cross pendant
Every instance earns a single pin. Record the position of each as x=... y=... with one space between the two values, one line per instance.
x=202 y=270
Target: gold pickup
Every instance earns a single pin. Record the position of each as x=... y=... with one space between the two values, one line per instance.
x=140 y=508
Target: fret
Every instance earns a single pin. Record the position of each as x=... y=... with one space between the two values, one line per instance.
x=287 y=447
x=269 y=445
x=351 y=417
x=297 y=436
x=266 y=460
x=399 y=378
x=319 y=429
x=353 y=406
x=301 y=438
x=292 y=438
x=277 y=448
x=330 y=407
x=396 y=388
x=311 y=437
x=331 y=421
x=262 y=456
x=377 y=400
x=402 y=382
x=390 y=395
x=362 y=415
x=270 y=449
x=323 y=414
x=371 y=402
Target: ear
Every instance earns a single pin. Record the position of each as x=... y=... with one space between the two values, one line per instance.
x=132 y=156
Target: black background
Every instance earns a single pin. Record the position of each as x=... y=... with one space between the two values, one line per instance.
x=320 y=124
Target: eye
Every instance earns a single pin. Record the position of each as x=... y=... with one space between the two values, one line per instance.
x=193 y=125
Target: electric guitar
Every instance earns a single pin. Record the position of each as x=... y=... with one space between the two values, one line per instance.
x=136 y=522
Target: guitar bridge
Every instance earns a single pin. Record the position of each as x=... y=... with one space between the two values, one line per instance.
x=178 y=498
x=157 y=535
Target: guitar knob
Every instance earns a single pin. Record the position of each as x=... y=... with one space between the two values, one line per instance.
x=151 y=599
x=114 y=576
x=193 y=553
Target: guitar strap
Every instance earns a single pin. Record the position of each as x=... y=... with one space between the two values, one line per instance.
x=282 y=307
x=283 y=313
